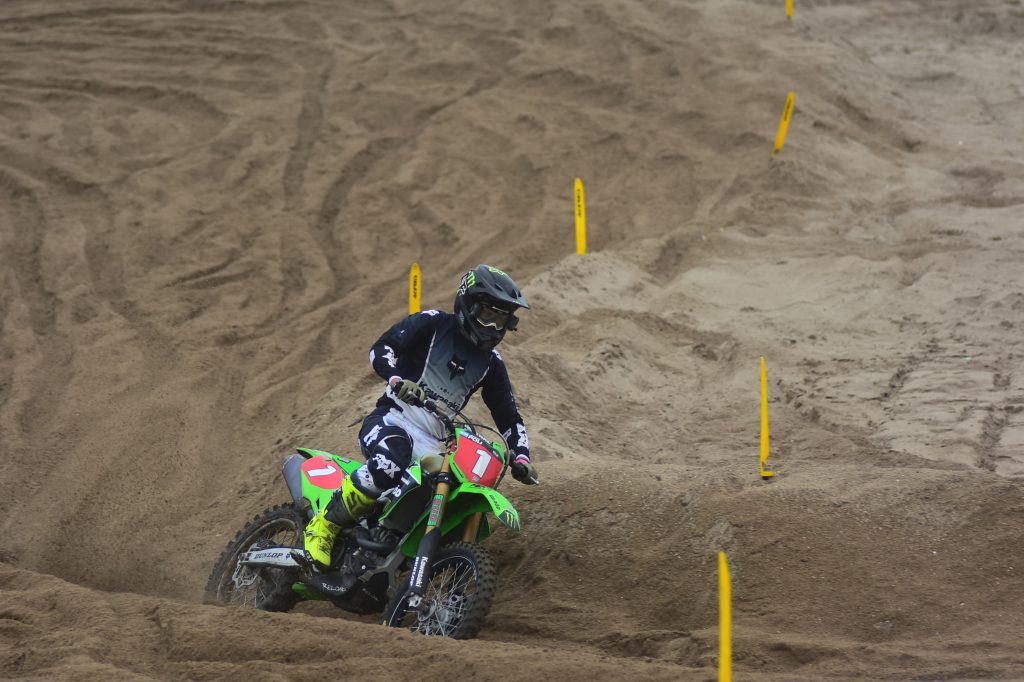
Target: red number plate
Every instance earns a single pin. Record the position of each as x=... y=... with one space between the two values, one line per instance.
x=323 y=472
x=478 y=462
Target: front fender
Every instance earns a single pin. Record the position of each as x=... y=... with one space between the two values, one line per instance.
x=500 y=506
x=467 y=499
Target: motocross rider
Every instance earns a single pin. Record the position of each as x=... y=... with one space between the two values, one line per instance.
x=442 y=357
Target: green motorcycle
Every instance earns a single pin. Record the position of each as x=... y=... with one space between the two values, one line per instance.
x=418 y=560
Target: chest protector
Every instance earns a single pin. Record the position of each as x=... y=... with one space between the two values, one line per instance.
x=453 y=367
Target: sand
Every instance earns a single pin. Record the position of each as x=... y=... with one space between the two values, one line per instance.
x=208 y=210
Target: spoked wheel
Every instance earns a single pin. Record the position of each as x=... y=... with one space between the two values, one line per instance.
x=463 y=581
x=262 y=588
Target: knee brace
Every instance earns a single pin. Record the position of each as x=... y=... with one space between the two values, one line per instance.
x=389 y=455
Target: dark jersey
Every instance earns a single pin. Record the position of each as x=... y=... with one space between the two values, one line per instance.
x=430 y=349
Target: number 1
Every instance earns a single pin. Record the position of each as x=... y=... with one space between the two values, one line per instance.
x=326 y=471
x=480 y=468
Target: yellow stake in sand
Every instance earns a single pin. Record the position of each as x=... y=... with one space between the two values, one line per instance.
x=789 y=9
x=414 y=288
x=724 y=620
x=581 y=218
x=765 y=446
x=787 y=113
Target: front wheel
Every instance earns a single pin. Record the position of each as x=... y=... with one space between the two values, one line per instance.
x=463 y=582
x=262 y=588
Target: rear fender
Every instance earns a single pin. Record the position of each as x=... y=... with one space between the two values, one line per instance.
x=314 y=475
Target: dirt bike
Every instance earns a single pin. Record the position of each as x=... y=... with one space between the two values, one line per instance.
x=419 y=560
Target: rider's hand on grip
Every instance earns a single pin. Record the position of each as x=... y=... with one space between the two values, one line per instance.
x=409 y=391
x=523 y=471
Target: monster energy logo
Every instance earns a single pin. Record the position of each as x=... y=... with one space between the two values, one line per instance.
x=510 y=519
x=470 y=279
x=435 y=510
x=497 y=271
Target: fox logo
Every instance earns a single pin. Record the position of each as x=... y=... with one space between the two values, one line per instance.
x=385 y=465
x=456 y=367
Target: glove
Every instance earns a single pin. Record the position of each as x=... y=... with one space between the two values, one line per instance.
x=523 y=471
x=409 y=391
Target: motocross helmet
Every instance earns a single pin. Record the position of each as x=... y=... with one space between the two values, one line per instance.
x=485 y=305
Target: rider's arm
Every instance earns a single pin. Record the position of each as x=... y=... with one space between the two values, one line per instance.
x=410 y=336
x=501 y=400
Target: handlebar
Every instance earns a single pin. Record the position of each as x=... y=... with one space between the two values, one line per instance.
x=449 y=424
x=431 y=407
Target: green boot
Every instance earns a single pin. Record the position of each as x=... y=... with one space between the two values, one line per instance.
x=346 y=507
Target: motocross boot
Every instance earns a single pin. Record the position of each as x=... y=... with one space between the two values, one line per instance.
x=346 y=507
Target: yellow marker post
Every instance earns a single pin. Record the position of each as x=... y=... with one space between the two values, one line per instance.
x=414 y=288
x=766 y=473
x=789 y=9
x=724 y=620
x=581 y=218
x=787 y=113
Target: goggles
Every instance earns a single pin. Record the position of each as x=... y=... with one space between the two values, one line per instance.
x=495 y=318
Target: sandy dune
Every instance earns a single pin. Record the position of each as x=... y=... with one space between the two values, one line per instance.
x=207 y=214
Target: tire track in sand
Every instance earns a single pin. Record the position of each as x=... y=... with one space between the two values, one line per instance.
x=24 y=258
x=338 y=256
x=308 y=126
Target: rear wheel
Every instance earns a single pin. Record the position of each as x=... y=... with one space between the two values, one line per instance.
x=463 y=581
x=267 y=589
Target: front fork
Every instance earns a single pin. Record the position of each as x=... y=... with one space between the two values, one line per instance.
x=431 y=537
x=431 y=541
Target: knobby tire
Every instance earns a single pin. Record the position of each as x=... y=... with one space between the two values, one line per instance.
x=282 y=520
x=463 y=620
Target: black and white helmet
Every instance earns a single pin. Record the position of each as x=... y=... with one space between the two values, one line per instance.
x=486 y=303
